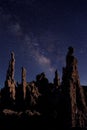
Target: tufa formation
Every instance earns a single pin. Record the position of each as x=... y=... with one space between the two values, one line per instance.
x=10 y=82
x=62 y=102
x=73 y=92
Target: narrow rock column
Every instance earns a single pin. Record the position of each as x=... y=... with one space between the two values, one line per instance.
x=73 y=91
x=24 y=82
x=10 y=82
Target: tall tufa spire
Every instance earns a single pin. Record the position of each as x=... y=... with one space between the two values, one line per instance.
x=24 y=83
x=73 y=92
x=11 y=69
x=10 y=82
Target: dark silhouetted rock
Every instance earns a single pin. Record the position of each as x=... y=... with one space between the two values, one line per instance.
x=32 y=94
x=40 y=102
x=56 y=80
x=8 y=92
x=75 y=105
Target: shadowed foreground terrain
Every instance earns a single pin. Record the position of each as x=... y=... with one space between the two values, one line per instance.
x=40 y=104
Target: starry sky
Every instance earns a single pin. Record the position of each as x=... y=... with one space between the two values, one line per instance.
x=39 y=32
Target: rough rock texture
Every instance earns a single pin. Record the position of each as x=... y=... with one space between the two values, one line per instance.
x=73 y=92
x=32 y=94
x=9 y=112
x=24 y=83
x=61 y=103
x=10 y=82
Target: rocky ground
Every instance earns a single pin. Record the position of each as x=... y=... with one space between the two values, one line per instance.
x=10 y=119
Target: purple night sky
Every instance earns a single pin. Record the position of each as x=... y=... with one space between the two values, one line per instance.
x=39 y=32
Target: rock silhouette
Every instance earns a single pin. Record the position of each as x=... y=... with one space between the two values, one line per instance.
x=64 y=103
x=56 y=79
x=73 y=92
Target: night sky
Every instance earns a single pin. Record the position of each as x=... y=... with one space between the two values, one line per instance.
x=39 y=32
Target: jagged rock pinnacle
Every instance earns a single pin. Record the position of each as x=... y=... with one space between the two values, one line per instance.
x=73 y=92
x=10 y=82
x=24 y=83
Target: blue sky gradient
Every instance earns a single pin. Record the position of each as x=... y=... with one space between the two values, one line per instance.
x=39 y=32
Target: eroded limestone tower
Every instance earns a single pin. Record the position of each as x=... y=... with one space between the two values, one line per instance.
x=75 y=105
x=10 y=82
x=24 y=83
